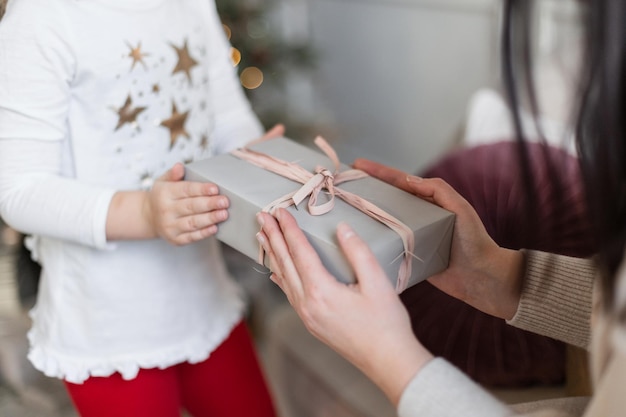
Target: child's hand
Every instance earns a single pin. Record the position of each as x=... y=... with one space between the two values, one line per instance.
x=183 y=212
x=275 y=132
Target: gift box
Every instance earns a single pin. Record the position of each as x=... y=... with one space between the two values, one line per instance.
x=251 y=188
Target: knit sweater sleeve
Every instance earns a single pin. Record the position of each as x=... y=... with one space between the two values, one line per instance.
x=556 y=297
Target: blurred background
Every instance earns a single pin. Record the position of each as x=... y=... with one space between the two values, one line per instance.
x=403 y=82
x=391 y=80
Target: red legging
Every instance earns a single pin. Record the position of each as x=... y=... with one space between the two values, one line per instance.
x=229 y=383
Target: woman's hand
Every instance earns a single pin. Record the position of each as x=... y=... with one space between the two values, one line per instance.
x=480 y=272
x=365 y=322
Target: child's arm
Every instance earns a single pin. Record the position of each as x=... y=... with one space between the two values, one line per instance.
x=35 y=199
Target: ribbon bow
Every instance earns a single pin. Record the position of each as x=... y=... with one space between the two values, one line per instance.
x=322 y=179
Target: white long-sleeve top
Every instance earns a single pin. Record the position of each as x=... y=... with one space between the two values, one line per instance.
x=98 y=96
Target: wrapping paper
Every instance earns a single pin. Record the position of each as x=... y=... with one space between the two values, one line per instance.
x=251 y=188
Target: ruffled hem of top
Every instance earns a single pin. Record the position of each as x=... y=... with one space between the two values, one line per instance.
x=76 y=370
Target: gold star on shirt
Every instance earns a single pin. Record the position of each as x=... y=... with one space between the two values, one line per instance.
x=185 y=61
x=176 y=125
x=127 y=113
x=137 y=55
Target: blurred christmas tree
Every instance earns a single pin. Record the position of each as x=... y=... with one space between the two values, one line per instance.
x=264 y=59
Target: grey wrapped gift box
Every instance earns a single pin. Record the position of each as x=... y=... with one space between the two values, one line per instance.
x=251 y=188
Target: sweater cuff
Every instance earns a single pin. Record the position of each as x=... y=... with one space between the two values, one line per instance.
x=439 y=389
x=556 y=297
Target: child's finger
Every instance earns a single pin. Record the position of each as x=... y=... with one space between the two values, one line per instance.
x=188 y=189
x=276 y=131
x=201 y=205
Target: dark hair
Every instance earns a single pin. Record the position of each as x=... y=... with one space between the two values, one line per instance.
x=599 y=123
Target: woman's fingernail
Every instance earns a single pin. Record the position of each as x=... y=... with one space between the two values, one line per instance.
x=260 y=219
x=260 y=238
x=413 y=178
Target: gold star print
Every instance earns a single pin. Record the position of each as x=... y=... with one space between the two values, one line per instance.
x=127 y=113
x=137 y=55
x=185 y=61
x=176 y=125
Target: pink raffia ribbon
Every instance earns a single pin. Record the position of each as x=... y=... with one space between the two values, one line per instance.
x=322 y=179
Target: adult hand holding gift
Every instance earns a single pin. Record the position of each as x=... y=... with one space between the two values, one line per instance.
x=283 y=173
x=366 y=322
x=480 y=273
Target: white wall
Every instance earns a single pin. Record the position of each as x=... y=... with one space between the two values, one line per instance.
x=394 y=76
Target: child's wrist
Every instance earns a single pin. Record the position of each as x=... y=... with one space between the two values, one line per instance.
x=147 y=216
x=130 y=217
